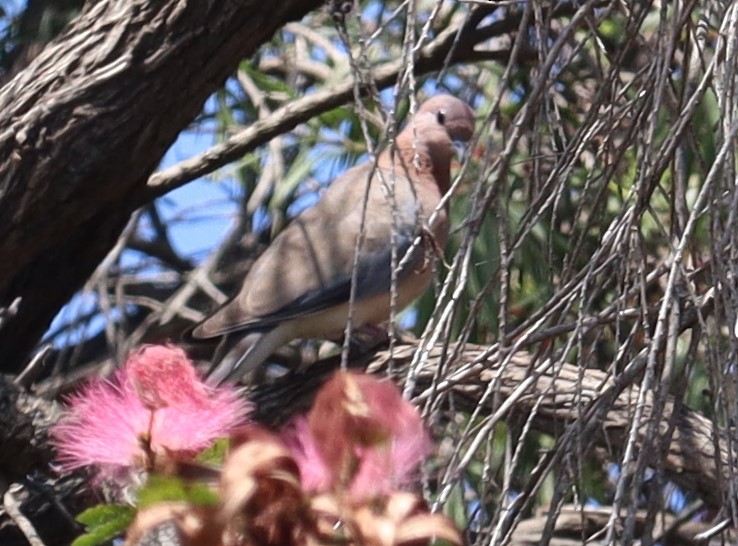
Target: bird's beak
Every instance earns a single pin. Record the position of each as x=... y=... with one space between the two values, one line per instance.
x=459 y=150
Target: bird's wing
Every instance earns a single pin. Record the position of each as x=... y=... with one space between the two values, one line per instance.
x=308 y=267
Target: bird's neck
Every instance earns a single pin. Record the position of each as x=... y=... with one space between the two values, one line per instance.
x=421 y=160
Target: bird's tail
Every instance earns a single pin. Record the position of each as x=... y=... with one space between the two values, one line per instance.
x=230 y=365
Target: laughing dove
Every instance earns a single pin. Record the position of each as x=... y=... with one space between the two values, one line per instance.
x=300 y=287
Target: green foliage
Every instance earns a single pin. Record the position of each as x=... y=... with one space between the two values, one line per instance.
x=215 y=454
x=457 y=506
x=103 y=523
x=164 y=488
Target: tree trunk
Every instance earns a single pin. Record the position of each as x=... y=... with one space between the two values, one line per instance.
x=86 y=123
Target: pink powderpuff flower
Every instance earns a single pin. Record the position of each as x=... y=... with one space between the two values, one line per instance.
x=164 y=376
x=315 y=475
x=156 y=405
x=361 y=437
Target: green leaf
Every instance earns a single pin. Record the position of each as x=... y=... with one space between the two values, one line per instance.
x=297 y=173
x=164 y=488
x=103 y=523
x=215 y=454
x=267 y=83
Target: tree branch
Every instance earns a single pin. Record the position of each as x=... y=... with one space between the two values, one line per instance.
x=430 y=58
x=75 y=151
x=561 y=395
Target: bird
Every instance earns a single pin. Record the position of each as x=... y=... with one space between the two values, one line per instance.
x=303 y=284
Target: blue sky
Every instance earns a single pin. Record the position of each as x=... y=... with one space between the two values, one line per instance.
x=214 y=201
x=199 y=215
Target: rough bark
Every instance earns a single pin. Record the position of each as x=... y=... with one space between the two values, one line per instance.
x=560 y=396
x=49 y=503
x=86 y=123
x=576 y=525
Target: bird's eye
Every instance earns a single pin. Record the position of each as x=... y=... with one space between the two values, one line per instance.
x=441 y=117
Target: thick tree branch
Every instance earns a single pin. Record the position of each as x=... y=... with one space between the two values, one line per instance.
x=588 y=524
x=85 y=124
x=561 y=394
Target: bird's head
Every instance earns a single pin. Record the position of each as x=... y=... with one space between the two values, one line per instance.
x=427 y=141
x=450 y=113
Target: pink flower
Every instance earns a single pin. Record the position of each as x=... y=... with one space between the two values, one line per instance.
x=314 y=472
x=163 y=376
x=154 y=406
x=361 y=436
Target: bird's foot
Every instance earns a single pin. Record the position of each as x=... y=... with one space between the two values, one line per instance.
x=433 y=250
x=367 y=338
